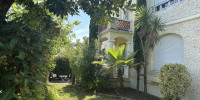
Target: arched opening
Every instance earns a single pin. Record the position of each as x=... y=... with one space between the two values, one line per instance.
x=103 y=42
x=169 y=49
x=120 y=41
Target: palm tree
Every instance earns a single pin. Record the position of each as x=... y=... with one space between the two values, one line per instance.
x=116 y=58
x=149 y=26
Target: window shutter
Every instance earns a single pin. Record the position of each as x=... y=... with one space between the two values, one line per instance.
x=169 y=49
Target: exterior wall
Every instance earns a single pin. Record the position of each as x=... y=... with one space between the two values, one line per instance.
x=182 y=19
x=182 y=9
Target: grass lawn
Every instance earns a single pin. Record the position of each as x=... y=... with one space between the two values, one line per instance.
x=70 y=92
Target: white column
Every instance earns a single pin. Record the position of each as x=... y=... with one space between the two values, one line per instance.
x=110 y=44
x=129 y=48
x=100 y=47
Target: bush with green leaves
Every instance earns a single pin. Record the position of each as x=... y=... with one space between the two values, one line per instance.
x=52 y=94
x=62 y=67
x=175 y=81
x=102 y=82
x=28 y=43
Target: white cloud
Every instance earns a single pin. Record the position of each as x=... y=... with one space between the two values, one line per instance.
x=82 y=31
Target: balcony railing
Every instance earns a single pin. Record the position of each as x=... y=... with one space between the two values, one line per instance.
x=116 y=24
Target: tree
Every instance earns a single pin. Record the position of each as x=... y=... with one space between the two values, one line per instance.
x=149 y=26
x=28 y=42
x=100 y=10
x=116 y=58
x=62 y=67
x=93 y=31
x=137 y=46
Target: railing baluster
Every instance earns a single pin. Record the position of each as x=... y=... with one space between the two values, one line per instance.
x=117 y=25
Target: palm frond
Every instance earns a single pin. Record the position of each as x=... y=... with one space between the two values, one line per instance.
x=121 y=52
x=132 y=55
x=98 y=62
x=113 y=52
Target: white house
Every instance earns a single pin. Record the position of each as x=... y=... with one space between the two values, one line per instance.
x=180 y=42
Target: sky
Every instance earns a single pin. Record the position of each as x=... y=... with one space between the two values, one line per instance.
x=83 y=28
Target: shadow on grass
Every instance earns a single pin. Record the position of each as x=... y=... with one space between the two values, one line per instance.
x=75 y=91
x=81 y=94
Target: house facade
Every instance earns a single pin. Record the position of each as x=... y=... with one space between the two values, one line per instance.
x=178 y=43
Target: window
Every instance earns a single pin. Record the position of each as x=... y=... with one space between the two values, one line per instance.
x=157 y=8
x=169 y=49
x=171 y=2
x=161 y=4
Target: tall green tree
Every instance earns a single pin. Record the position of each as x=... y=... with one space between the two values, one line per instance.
x=62 y=66
x=93 y=31
x=81 y=57
x=149 y=26
x=137 y=46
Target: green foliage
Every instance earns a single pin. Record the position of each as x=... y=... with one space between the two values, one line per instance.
x=80 y=57
x=100 y=84
x=116 y=58
x=93 y=31
x=137 y=45
x=28 y=43
x=87 y=75
x=141 y=3
x=175 y=81
x=147 y=27
x=87 y=69
x=52 y=94
x=62 y=67
x=30 y=37
x=8 y=94
x=100 y=10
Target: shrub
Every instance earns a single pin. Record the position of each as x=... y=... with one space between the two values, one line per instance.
x=101 y=83
x=62 y=67
x=174 y=81
x=52 y=94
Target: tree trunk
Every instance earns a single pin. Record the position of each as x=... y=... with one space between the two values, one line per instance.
x=5 y=5
x=145 y=70
x=138 y=79
x=145 y=78
x=120 y=81
x=73 y=80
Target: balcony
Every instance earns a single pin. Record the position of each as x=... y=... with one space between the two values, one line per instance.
x=116 y=24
